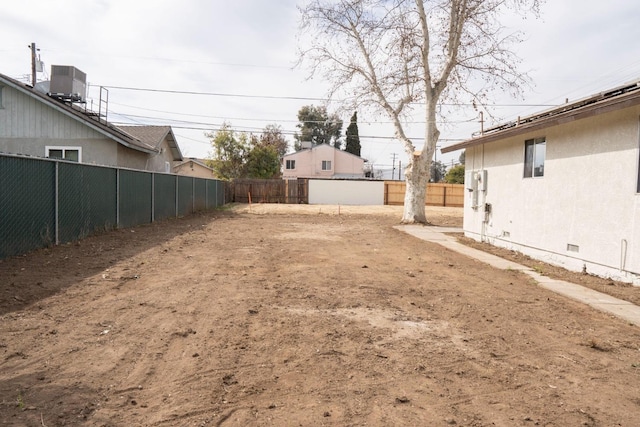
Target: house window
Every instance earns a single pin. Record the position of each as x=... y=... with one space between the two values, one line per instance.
x=291 y=164
x=534 y=154
x=73 y=154
x=326 y=165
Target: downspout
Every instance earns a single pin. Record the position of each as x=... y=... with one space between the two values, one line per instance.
x=483 y=232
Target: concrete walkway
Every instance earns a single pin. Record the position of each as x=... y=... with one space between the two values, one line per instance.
x=620 y=308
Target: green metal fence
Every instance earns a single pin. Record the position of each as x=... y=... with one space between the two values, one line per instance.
x=45 y=202
x=83 y=208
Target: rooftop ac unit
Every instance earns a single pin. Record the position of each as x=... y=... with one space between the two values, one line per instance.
x=68 y=83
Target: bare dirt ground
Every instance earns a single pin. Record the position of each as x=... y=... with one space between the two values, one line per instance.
x=300 y=318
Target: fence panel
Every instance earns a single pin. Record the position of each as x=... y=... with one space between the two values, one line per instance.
x=267 y=191
x=291 y=189
x=452 y=194
x=134 y=198
x=221 y=193
x=438 y=194
x=164 y=196
x=211 y=191
x=394 y=193
x=87 y=200
x=260 y=190
x=185 y=195
x=27 y=205
x=199 y=194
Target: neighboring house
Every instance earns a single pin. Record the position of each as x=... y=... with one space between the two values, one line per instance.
x=562 y=186
x=193 y=167
x=322 y=161
x=35 y=124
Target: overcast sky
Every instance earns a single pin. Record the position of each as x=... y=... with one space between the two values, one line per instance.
x=218 y=49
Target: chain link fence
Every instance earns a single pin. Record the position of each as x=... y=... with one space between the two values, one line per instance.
x=44 y=202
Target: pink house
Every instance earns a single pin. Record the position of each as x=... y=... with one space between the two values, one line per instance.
x=322 y=161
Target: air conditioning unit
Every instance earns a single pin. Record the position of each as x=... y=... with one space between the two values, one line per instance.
x=68 y=83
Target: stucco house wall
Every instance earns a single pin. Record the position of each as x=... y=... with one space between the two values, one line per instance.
x=308 y=163
x=190 y=167
x=583 y=214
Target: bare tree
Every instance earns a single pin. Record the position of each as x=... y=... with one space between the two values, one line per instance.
x=401 y=55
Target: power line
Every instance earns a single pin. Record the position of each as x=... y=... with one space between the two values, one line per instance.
x=298 y=98
x=182 y=124
x=260 y=119
x=236 y=95
x=269 y=121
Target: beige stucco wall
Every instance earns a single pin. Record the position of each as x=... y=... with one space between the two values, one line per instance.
x=586 y=198
x=309 y=164
x=193 y=169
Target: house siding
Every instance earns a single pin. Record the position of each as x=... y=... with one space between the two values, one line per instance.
x=28 y=126
x=309 y=164
x=587 y=196
x=26 y=117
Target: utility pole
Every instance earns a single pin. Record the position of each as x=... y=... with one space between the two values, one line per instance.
x=399 y=170
x=33 y=64
x=393 y=171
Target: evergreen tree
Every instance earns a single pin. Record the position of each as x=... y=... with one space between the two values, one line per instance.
x=353 y=139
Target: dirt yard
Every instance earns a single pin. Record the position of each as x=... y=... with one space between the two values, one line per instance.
x=248 y=317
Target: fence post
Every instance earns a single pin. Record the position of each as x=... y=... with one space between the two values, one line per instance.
x=385 y=195
x=57 y=206
x=153 y=196
x=118 y=198
x=177 y=196
x=444 y=196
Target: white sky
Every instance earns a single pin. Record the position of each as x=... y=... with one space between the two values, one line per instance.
x=248 y=47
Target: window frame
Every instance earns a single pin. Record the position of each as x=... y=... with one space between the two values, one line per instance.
x=533 y=167
x=324 y=164
x=64 y=148
x=290 y=162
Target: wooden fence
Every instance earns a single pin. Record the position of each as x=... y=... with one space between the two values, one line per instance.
x=438 y=194
x=268 y=190
x=297 y=191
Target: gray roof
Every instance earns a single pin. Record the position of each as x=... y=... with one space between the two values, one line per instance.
x=153 y=136
x=611 y=100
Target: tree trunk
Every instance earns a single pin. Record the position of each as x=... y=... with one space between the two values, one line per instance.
x=416 y=178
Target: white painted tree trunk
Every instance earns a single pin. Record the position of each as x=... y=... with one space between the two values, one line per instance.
x=416 y=178
x=419 y=168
